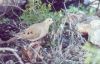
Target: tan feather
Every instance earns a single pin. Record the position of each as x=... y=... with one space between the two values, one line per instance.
x=36 y=31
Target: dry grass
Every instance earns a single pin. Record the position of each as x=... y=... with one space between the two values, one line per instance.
x=63 y=46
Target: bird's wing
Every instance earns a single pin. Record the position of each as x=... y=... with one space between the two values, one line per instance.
x=38 y=32
x=32 y=32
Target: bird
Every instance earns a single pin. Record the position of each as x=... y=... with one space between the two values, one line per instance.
x=35 y=31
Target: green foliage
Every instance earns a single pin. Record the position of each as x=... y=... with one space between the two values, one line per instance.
x=88 y=10
x=73 y=9
x=38 y=12
x=4 y=20
x=82 y=9
x=92 y=55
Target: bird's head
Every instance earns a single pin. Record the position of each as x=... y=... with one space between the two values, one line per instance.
x=48 y=21
x=20 y=35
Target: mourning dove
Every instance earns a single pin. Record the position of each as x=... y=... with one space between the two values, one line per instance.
x=35 y=31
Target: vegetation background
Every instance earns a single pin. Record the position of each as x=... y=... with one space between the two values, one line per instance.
x=62 y=45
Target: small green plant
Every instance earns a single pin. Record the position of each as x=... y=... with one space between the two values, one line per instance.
x=38 y=12
x=82 y=9
x=73 y=9
x=92 y=55
x=89 y=10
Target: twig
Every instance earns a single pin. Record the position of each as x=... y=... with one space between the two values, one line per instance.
x=14 y=52
x=15 y=6
x=98 y=6
x=8 y=41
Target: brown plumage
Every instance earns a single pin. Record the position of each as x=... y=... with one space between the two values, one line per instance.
x=36 y=31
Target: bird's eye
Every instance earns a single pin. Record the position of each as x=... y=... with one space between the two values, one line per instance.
x=23 y=32
x=28 y=33
x=31 y=32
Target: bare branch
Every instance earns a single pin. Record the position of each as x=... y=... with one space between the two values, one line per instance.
x=14 y=52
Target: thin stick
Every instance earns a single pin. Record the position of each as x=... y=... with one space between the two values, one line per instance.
x=8 y=41
x=14 y=52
